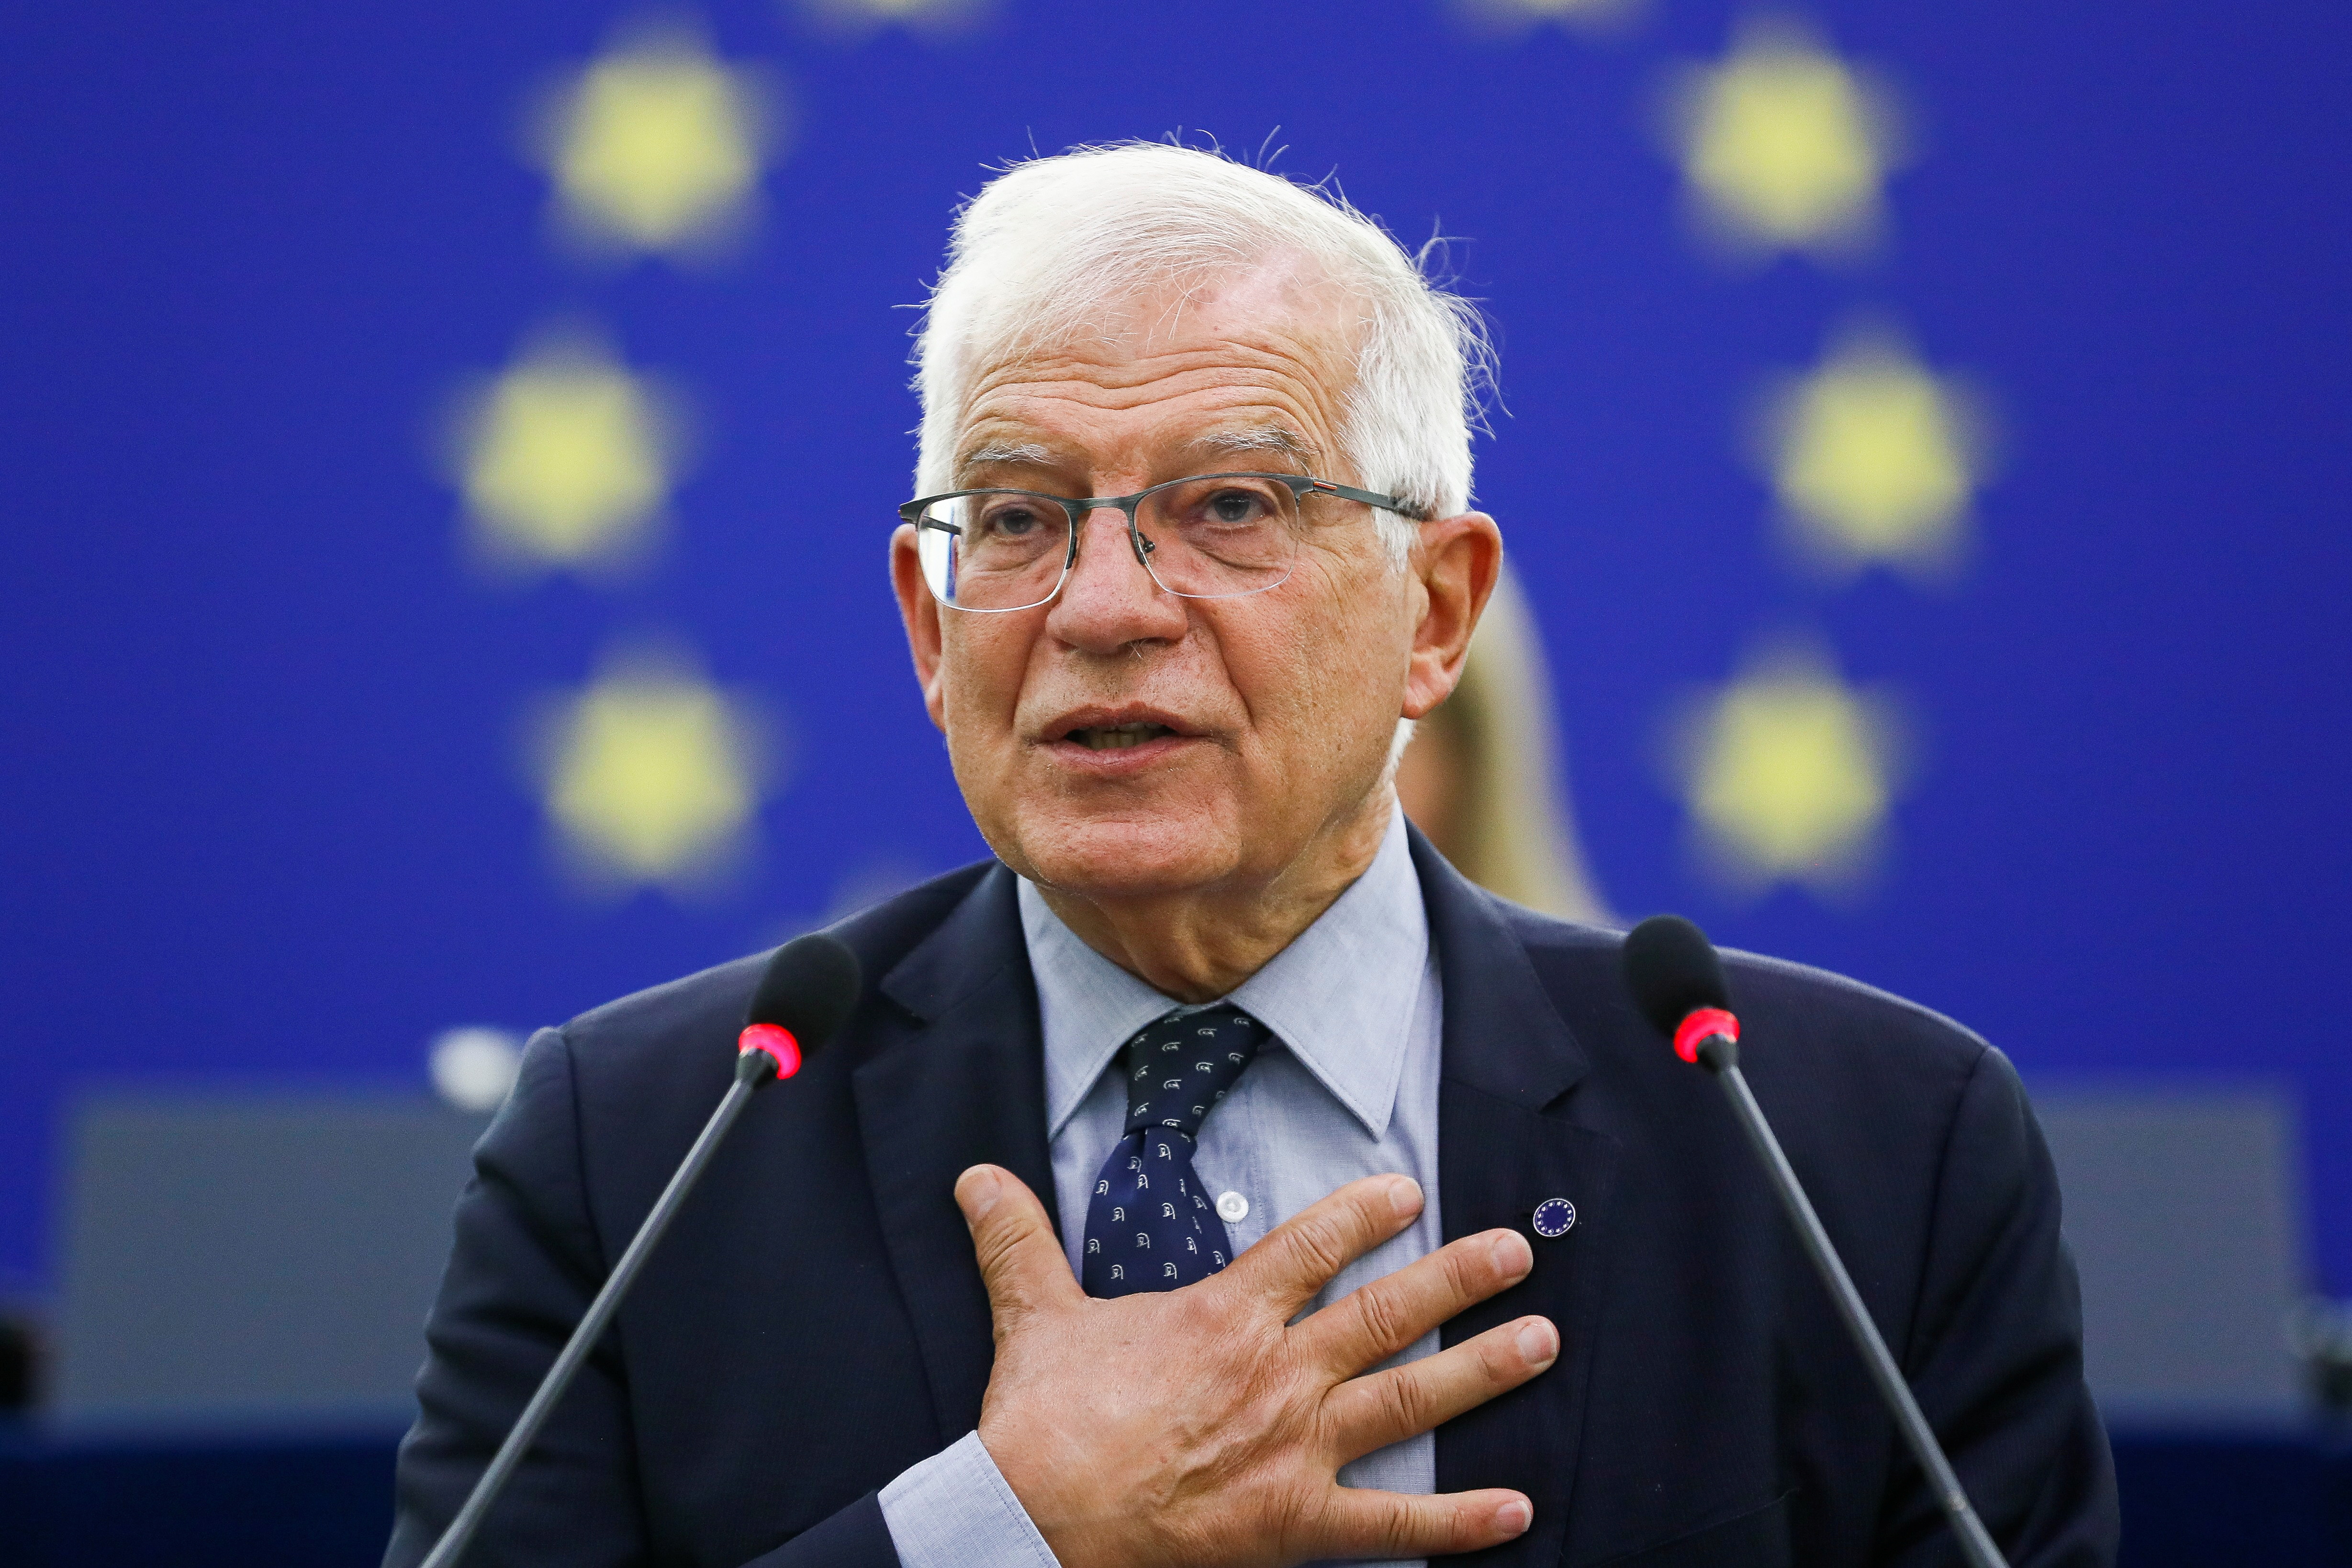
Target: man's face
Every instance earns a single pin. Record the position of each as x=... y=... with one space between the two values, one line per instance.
x=1266 y=719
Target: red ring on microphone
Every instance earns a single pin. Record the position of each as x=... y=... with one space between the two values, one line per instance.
x=1702 y=1022
x=774 y=1040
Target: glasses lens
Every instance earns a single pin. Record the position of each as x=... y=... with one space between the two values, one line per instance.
x=1220 y=534
x=993 y=549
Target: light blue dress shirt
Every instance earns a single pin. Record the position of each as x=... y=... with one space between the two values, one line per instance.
x=1347 y=1088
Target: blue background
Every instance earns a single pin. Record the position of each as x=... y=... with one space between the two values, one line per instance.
x=260 y=810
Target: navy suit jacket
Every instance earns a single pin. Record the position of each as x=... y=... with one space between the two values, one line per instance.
x=815 y=1323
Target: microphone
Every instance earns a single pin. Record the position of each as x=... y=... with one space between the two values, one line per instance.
x=804 y=997
x=1677 y=982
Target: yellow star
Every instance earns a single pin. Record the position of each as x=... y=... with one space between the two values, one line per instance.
x=1875 y=459
x=1788 y=773
x=657 y=146
x=934 y=16
x=567 y=458
x=1575 y=13
x=651 y=773
x=1785 y=145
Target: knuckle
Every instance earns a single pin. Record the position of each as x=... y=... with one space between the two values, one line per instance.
x=989 y=1251
x=1463 y=1274
x=1301 y=1523
x=1202 y=1320
x=1396 y=1534
x=1456 y=1523
x=1405 y=1405
x=1321 y=1244
x=997 y=1247
x=1382 y=1317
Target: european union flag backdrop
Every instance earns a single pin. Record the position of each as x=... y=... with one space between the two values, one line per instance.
x=449 y=452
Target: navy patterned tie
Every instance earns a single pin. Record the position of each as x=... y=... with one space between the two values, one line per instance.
x=1149 y=1225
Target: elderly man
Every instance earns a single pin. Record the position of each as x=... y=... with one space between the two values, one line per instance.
x=1215 y=1177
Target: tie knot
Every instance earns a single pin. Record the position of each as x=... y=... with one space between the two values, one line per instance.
x=1182 y=1064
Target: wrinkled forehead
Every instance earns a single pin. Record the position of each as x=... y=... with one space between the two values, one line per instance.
x=1247 y=369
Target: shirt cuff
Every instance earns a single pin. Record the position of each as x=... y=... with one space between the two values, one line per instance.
x=955 y=1511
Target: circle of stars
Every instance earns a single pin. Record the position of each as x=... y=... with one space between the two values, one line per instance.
x=568 y=457
x=657 y=146
x=1785 y=145
x=1789 y=772
x=1875 y=459
x=570 y=460
x=651 y=774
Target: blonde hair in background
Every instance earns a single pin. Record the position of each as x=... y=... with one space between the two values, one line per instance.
x=1506 y=823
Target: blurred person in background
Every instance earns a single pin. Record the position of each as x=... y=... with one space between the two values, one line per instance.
x=1478 y=776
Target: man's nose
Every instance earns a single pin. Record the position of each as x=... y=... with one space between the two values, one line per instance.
x=1110 y=599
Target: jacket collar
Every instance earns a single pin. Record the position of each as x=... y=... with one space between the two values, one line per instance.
x=1503 y=1036
x=979 y=940
x=1507 y=1140
x=961 y=1082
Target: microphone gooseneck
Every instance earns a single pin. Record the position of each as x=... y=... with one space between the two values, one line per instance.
x=1677 y=982
x=805 y=995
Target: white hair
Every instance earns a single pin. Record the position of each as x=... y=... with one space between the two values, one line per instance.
x=1052 y=250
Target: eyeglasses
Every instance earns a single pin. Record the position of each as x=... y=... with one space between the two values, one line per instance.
x=1211 y=536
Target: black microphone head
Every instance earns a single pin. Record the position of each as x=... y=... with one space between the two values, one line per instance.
x=1672 y=970
x=809 y=988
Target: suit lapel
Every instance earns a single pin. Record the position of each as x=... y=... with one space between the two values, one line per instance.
x=963 y=1081
x=962 y=1084
x=1504 y=1144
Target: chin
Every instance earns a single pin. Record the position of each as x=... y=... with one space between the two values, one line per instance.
x=1117 y=859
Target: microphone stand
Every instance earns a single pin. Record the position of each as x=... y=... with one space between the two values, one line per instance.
x=753 y=1069
x=1719 y=1054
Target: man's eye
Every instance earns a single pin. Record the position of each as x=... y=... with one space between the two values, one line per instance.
x=1013 y=522
x=1235 y=507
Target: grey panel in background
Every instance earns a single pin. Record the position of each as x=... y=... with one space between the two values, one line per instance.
x=261 y=1260
x=269 y=1260
x=2183 y=1208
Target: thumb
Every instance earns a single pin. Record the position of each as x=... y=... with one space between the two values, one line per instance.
x=1020 y=1260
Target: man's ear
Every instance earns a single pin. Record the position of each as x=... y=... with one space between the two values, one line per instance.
x=1454 y=565
x=920 y=612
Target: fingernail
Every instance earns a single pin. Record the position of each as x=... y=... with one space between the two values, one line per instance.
x=1537 y=1343
x=1513 y=1257
x=980 y=1190
x=1404 y=1193
x=1514 y=1517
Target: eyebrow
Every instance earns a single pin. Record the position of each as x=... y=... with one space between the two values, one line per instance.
x=1241 y=441
x=1028 y=454
x=1258 y=439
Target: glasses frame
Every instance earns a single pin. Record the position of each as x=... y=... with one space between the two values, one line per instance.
x=1078 y=509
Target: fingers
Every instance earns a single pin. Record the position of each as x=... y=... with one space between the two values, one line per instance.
x=1020 y=1260
x=1298 y=1258
x=1357 y=1523
x=1386 y=1407
x=1373 y=1323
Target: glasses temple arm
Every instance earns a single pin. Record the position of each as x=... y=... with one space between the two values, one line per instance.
x=1386 y=503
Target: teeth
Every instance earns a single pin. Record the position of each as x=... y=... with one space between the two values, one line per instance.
x=1117 y=737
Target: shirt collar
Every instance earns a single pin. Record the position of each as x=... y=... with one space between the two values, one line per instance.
x=1340 y=997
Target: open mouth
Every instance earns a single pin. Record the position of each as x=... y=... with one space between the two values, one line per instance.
x=1118 y=737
